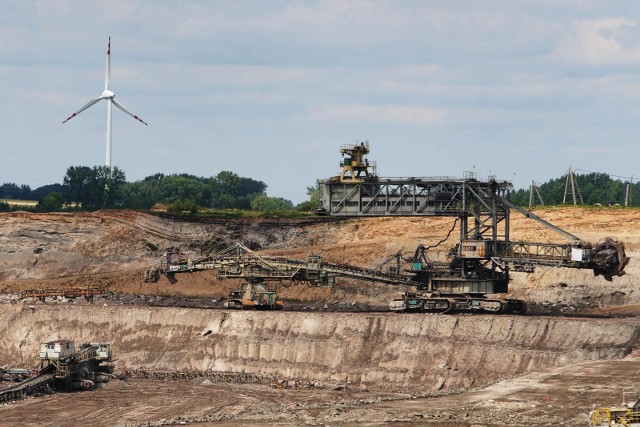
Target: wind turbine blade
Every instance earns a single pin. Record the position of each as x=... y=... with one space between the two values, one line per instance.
x=107 y=74
x=84 y=107
x=123 y=108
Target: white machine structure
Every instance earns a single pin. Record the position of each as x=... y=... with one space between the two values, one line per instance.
x=62 y=366
x=60 y=350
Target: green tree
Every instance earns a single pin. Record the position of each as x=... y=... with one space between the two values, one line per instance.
x=265 y=203
x=15 y=191
x=225 y=190
x=185 y=187
x=77 y=183
x=184 y=206
x=313 y=203
x=107 y=186
x=51 y=203
x=94 y=188
x=42 y=192
x=143 y=194
x=228 y=190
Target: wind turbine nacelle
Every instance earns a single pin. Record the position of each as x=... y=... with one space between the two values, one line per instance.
x=107 y=94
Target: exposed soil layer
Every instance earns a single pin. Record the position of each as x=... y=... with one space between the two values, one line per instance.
x=380 y=351
x=112 y=248
x=368 y=369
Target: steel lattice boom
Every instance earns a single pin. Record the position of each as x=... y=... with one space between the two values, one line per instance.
x=240 y=262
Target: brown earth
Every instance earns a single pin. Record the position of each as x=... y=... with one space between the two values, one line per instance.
x=112 y=248
x=486 y=370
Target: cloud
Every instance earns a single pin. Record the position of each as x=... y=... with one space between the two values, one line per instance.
x=212 y=76
x=600 y=42
x=390 y=114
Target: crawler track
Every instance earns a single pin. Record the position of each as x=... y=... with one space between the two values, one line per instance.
x=532 y=310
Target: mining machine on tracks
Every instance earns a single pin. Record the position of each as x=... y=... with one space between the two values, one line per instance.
x=62 y=366
x=256 y=296
x=481 y=261
x=479 y=264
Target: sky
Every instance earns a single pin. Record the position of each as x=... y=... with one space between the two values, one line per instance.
x=521 y=90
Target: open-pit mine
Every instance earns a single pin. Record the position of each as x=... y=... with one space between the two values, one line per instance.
x=335 y=354
x=406 y=300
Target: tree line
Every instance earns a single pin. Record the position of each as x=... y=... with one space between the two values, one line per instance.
x=99 y=187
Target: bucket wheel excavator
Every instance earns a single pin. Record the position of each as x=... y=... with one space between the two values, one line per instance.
x=479 y=264
x=484 y=255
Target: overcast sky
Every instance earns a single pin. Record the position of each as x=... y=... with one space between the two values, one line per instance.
x=271 y=89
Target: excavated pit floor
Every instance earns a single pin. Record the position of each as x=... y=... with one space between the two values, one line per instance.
x=364 y=368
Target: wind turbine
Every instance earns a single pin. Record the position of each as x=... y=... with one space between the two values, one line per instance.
x=110 y=97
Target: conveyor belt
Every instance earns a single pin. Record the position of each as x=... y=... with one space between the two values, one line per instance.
x=29 y=386
x=249 y=265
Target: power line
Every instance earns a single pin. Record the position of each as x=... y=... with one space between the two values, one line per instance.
x=628 y=190
x=616 y=176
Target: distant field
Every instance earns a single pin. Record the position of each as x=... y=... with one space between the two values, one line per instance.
x=15 y=202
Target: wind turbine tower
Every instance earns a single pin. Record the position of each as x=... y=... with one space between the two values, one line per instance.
x=110 y=97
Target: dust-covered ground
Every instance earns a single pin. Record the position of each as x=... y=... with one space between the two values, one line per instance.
x=549 y=397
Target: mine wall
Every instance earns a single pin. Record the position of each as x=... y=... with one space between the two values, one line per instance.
x=423 y=353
